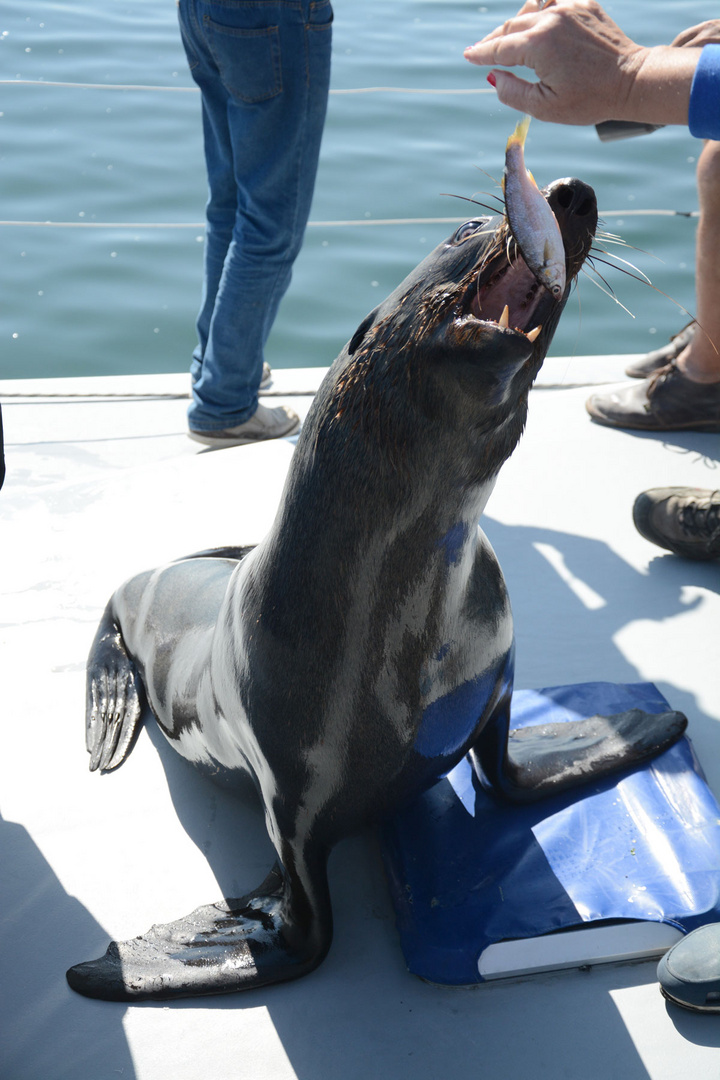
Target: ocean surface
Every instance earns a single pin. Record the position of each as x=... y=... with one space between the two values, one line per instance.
x=102 y=183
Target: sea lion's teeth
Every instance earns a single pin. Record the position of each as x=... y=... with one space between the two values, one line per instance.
x=532 y=334
x=504 y=319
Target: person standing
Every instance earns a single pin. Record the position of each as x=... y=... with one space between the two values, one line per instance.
x=589 y=71
x=263 y=69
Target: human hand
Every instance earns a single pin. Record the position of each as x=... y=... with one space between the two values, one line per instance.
x=586 y=65
x=707 y=33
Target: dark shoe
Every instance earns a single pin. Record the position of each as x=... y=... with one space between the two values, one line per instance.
x=651 y=363
x=263 y=424
x=681 y=519
x=689 y=974
x=666 y=402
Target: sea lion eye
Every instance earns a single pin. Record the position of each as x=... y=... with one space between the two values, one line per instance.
x=468 y=229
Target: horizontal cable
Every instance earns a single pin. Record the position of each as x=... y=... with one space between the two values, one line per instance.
x=109 y=224
x=409 y=90
x=195 y=90
x=648 y=213
x=201 y=224
x=131 y=395
x=348 y=223
x=98 y=86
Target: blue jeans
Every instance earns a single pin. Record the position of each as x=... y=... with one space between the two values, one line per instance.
x=263 y=67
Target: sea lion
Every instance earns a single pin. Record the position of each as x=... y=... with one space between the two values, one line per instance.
x=366 y=644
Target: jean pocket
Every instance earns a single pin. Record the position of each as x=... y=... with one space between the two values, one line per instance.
x=321 y=15
x=248 y=60
x=189 y=51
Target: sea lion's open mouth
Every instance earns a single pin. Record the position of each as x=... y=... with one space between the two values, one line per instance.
x=502 y=293
x=506 y=293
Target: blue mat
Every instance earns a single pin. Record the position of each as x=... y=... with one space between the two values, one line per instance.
x=467 y=871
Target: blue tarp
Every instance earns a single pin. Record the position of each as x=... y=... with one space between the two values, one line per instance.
x=467 y=871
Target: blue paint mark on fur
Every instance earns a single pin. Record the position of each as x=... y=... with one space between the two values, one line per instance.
x=453 y=541
x=448 y=724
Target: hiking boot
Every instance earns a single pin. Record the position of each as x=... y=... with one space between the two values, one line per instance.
x=263 y=424
x=667 y=401
x=653 y=361
x=689 y=974
x=681 y=519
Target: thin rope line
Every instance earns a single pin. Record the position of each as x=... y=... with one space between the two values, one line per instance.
x=146 y=395
x=649 y=213
x=99 y=395
x=347 y=223
x=201 y=224
x=109 y=224
x=410 y=90
x=98 y=86
x=195 y=90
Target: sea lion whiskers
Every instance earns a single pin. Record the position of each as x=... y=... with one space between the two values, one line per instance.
x=613 y=262
x=494 y=210
x=608 y=291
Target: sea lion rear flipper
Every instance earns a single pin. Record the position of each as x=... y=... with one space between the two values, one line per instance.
x=540 y=760
x=114 y=702
x=220 y=948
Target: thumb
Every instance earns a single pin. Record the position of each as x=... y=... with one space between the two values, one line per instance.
x=517 y=93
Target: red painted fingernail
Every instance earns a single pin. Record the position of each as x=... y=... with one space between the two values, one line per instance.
x=491 y=79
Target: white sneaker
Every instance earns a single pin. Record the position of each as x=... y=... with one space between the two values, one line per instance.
x=264 y=424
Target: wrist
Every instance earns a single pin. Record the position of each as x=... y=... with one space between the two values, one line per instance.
x=660 y=83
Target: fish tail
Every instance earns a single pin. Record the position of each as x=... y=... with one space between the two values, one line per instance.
x=520 y=133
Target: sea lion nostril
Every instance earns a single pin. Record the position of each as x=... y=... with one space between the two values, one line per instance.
x=587 y=206
x=564 y=197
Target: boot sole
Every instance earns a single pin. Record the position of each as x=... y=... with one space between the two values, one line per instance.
x=710 y=426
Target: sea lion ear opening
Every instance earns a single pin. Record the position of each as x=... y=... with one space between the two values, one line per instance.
x=356 y=339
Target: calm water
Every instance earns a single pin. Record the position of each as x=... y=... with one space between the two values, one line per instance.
x=106 y=300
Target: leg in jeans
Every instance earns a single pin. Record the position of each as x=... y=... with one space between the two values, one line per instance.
x=263 y=70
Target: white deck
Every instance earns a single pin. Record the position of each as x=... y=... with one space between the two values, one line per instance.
x=98 y=488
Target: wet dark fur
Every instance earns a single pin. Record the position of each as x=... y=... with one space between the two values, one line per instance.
x=366 y=644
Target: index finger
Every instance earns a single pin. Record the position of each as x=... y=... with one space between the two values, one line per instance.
x=508 y=50
x=524 y=20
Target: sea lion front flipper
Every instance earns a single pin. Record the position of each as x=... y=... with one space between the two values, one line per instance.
x=540 y=760
x=232 y=551
x=218 y=949
x=114 y=697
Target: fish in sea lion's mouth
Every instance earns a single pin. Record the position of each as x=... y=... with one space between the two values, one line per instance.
x=464 y=335
x=503 y=291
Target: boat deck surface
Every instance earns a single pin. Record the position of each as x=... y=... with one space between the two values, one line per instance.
x=106 y=483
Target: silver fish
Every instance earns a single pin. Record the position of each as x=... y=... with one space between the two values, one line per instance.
x=532 y=222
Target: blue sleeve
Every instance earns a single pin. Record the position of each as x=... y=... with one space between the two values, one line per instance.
x=704 y=112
